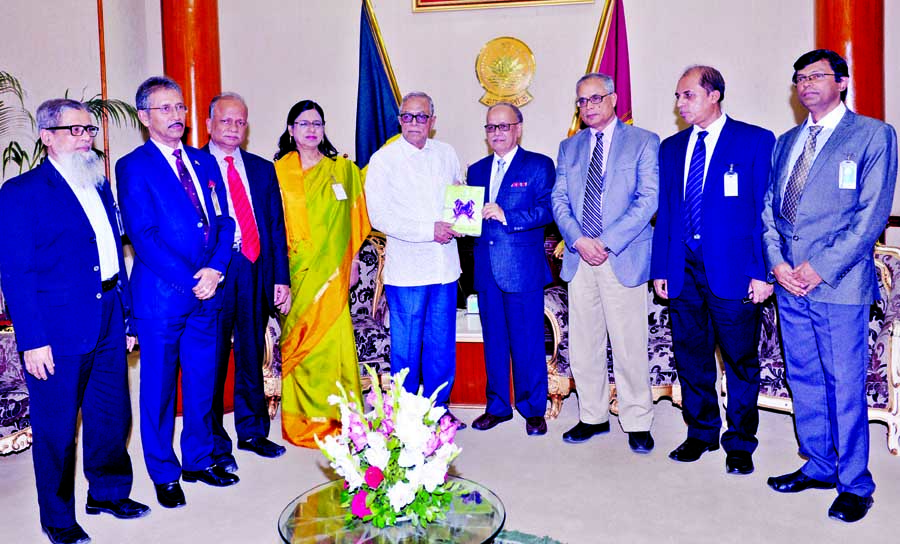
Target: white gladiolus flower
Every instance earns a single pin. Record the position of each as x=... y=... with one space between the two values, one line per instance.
x=410 y=458
x=432 y=474
x=377 y=453
x=400 y=495
x=334 y=400
x=436 y=412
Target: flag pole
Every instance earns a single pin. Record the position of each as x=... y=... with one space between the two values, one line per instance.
x=597 y=51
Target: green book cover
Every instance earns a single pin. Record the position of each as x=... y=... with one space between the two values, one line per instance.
x=462 y=208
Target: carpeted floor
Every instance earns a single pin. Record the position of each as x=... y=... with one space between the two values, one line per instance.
x=595 y=492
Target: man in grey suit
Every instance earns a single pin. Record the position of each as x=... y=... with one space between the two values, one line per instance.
x=604 y=197
x=829 y=197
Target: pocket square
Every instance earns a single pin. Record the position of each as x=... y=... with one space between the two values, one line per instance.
x=519 y=184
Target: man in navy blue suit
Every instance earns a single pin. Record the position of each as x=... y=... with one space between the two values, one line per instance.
x=511 y=270
x=257 y=282
x=172 y=199
x=68 y=295
x=707 y=260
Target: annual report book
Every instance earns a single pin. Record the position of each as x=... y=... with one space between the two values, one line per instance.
x=462 y=208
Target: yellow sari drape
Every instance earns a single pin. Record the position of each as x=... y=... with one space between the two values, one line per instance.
x=326 y=220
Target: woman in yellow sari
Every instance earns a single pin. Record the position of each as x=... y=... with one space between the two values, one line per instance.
x=326 y=220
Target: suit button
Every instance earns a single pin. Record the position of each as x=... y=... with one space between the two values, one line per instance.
x=491 y=243
x=96 y=268
x=99 y=296
x=796 y=237
x=200 y=225
x=94 y=239
x=696 y=237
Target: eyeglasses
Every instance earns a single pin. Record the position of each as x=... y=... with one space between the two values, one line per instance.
x=239 y=123
x=421 y=118
x=310 y=124
x=593 y=99
x=78 y=130
x=812 y=78
x=502 y=127
x=169 y=108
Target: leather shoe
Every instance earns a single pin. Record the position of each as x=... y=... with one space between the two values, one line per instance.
x=170 y=495
x=212 y=475
x=691 y=449
x=226 y=462
x=640 y=441
x=739 y=462
x=796 y=482
x=120 y=508
x=850 y=507
x=534 y=426
x=66 y=535
x=582 y=431
x=459 y=423
x=261 y=446
x=488 y=421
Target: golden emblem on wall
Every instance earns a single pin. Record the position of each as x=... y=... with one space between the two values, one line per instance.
x=505 y=68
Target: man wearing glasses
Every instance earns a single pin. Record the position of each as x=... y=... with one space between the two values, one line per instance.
x=256 y=283
x=829 y=198
x=511 y=270
x=405 y=188
x=69 y=298
x=172 y=199
x=707 y=260
x=603 y=200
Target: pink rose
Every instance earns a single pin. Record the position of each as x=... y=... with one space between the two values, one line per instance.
x=358 y=505
x=374 y=477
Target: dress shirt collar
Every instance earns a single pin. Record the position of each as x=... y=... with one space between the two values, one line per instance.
x=713 y=130
x=167 y=151
x=607 y=131
x=220 y=153
x=409 y=149
x=508 y=158
x=831 y=120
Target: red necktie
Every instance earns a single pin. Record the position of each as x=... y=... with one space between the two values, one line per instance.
x=243 y=213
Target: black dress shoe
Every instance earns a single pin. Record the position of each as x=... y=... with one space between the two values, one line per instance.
x=640 y=441
x=850 y=507
x=261 y=446
x=739 y=462
x=170 y=495
x=581 y=432
x=796 y=482
x=534 y=426
x=459 y=423
x=211 y=475
x=691 y=449
x=66 y=535
x=488 y=421
x=226 y=462
x=120 y=508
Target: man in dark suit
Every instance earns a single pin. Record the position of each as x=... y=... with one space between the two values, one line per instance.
x=604 y=197
x=257 y=282
x=68 y=295
x=707 y=260
x=172 y=197
x=511 y=270
x=829 y=198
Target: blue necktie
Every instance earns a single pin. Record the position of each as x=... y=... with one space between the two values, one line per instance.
x=693 y=193
x=591 y=212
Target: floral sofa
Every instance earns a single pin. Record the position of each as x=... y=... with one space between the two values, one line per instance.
x=15 y=423
x=882 y=384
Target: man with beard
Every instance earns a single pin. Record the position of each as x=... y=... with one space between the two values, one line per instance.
x=68 y=295
x=172 y=203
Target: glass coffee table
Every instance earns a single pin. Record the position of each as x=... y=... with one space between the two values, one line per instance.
x=476 y=515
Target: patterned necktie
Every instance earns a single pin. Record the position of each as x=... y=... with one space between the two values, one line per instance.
x=498 y=179
x=591 y=213
x=185 y=178
x=799 y=173
x=693 y=192
x=243 y=213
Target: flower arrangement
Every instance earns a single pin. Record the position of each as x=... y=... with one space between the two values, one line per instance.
x=394 y=458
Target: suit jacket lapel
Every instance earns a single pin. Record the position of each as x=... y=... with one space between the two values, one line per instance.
x=842 y=131
x=717 y=161
x=58 y=182
x=511 y=172
x=611 y=155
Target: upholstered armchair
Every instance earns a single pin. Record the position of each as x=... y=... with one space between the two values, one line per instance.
x=368 y=311
x=15 y=422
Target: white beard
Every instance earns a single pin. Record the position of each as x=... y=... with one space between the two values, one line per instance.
x=83 y=168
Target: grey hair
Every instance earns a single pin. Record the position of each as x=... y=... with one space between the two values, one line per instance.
x=151 y=85
x=49 y=112
x=513 y=107
x=224 y=96
x=607 y=81
x=418 y=94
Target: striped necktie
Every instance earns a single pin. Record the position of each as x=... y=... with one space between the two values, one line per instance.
x=693 y=192
x=592 y=211
x=243 y=213
x=799 y=174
